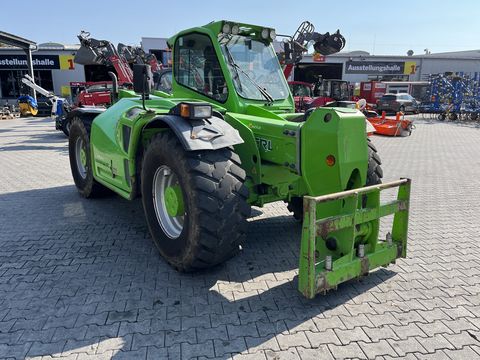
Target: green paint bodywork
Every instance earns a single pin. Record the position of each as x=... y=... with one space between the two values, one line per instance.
x=353 y=226
x=282 y=158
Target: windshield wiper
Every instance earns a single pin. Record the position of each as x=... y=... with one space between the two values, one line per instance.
x=237 y=68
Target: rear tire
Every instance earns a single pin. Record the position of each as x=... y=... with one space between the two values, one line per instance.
x=66 y=127
x=81 y=164
x=209 y=225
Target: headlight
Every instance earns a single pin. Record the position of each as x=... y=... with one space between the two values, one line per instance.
x=193 y=110
x=226 y=28
x=273 y=34
x=235 y=29
x=265 y=34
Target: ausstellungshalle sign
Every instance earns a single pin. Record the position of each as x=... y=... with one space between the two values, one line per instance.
x=374 y=67
x=40 y=62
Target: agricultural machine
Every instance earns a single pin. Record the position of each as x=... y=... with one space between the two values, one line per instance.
x=307 y=95
x=453 y=96
x=103 y=52
x=228 y=138
x=324 y=91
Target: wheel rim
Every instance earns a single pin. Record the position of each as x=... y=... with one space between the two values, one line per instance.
x=168 y=201
x=81 y=157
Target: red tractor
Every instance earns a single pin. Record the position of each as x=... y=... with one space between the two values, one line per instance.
x=91 y=93
x=308 y=95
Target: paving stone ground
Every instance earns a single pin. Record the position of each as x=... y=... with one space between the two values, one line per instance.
x=81 y=279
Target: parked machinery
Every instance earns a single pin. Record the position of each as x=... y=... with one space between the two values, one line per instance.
x=453 y=96
x=103 y=52
x=323 y=90
x=121 y=58
x=60 y=106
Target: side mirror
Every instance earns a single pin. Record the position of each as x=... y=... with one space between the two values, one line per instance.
x=142 y=79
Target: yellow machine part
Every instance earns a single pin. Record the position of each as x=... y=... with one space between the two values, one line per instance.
x=26 y=109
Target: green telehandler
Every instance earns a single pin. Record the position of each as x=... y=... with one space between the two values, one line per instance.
x=226 y=139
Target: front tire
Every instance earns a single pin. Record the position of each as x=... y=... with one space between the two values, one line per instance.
x=195 y=203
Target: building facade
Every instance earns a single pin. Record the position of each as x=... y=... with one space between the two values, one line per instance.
x=358 y=66
x=53 y=69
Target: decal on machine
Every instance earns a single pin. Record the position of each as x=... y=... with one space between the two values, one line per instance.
x=265 y=144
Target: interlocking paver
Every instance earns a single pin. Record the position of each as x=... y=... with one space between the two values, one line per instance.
x=381 y=348
x=223 y=347
x=403 y=347
x=287 y=341
x=290 y=354
x=348 y=336
x=193 y=350
x=84 y=275
x=178 y=337
x=318 y=353
x=350 y=351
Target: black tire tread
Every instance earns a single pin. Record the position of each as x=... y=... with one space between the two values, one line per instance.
x=217 y=182
x=374 y=172
x=88 y=188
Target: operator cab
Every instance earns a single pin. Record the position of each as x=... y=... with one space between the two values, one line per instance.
x=232 y=64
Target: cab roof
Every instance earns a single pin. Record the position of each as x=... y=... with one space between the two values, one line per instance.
x=217 y=27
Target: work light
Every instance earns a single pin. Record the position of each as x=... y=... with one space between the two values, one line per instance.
x=265 y=34
x=273 y=34
x=226 y=28
x=235 y=29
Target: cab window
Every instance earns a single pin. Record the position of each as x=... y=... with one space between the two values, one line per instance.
x=197 y=67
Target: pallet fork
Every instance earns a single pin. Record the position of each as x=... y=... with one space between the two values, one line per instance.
x=324 y=263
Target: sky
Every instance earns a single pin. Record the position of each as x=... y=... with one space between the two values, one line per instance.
x=379 y=27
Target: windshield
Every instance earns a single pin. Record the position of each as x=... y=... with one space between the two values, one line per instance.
x=301 y=90
x=335 y=89
x=99 y=87
x=257 y=63
x=339 y=90
x=389 y=97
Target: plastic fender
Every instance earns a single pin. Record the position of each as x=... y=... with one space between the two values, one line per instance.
x=205 y=134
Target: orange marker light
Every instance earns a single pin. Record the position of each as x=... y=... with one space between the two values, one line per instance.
x=184 y=110
x=330 y=160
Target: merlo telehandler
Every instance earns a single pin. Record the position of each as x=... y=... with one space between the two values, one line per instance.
x=226 y=139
